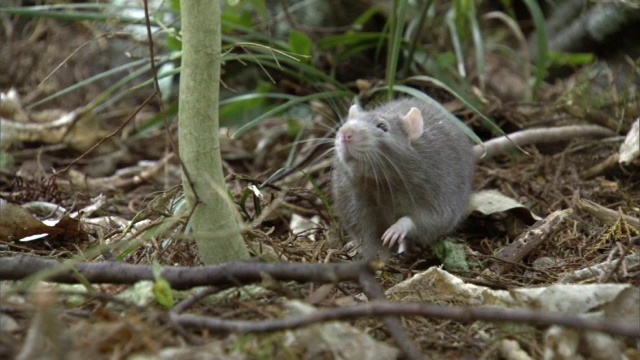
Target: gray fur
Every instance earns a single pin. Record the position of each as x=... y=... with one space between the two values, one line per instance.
x=428 y=180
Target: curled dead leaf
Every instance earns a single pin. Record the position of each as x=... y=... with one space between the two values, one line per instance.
x=18 y=223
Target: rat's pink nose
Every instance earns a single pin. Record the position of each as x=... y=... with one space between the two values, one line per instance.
x=346 y=135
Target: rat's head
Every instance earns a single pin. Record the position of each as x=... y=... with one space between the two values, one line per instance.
x=373 y=138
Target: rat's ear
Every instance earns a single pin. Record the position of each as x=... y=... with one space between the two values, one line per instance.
x=353 y=112
x=413 y=123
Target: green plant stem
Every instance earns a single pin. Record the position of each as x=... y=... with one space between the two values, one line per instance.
x=213 y=220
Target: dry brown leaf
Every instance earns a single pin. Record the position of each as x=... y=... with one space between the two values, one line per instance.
x=17 y=223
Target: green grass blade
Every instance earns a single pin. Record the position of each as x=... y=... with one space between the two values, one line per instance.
x=478 y=43
x=163 y=75
x=304 y=72
x=455 y=39
x=486 y=119
x=89 y=81
x=462 y=98
x=522 y=41
x=253 y=96
x=426 y=5
x=348 y=39
x=542 y=41
x=289 y=104
x=106 y=97
x=395 y=42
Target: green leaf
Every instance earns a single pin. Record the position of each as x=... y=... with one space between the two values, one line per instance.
x=156 y=268
x=6 y=160
x=464 y=9
x=173 y=42
x=446 y=59
x=236 y=16
x=451 y=254
x=238 y=110
x=161 y=287
x=572 y=59
x=299 y=43
x=163 y=293
x=174 y=4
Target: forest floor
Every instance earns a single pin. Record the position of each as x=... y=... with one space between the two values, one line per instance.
x=292 y=223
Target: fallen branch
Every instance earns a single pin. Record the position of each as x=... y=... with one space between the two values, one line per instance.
x=529 y=240
x=377 y=309
x=607 y=216
x=596 y=271
x=232 y=273
x=503 y=144
x=126 y=178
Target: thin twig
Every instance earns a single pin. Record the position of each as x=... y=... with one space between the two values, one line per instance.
x=375 y=309
x=193 y=299
x=116 y=132
x=63 y=62
x=374 y=291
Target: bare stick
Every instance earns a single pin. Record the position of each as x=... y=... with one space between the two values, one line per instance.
x=502 y=144
x=529 y=240
x=607 y=216
x=193 y=299
x=180 y=277
x=412 y=309
x=596 y=271
x=601 y=167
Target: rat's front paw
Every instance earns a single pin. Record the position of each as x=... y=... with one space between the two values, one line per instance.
x=397 y=232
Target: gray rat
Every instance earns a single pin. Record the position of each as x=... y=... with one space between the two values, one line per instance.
x=402 y=174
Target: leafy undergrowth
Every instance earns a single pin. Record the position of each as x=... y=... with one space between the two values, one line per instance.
x=126 y=195
x=546 y=181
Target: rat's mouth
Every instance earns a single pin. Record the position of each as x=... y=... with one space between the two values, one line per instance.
x=346 y=154
x=349 y=154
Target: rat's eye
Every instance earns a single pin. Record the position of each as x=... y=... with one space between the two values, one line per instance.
x=383 y=127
